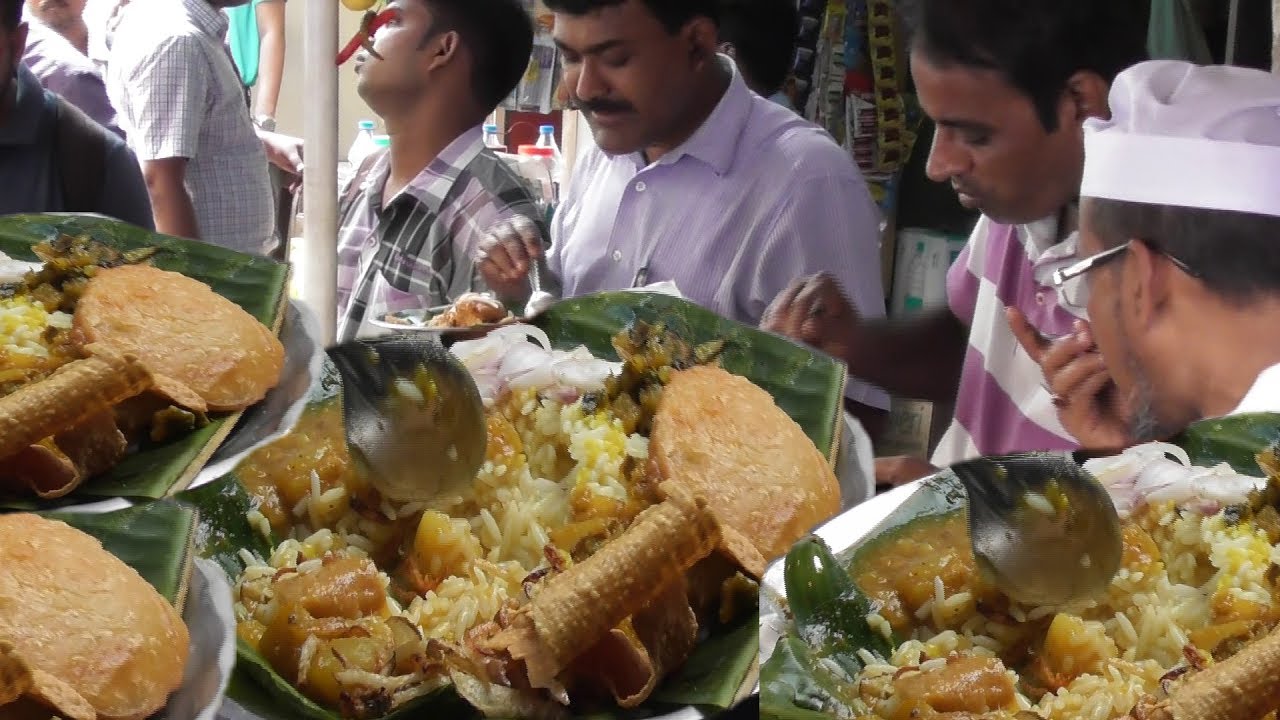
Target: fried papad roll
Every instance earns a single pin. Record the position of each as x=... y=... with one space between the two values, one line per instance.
x=73 y=394
x=56 y=466
x=635 y=656
x=578 y=607
x=1242 y=687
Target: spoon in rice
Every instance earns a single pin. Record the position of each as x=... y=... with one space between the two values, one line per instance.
x=413 y=415
x=1044 y=531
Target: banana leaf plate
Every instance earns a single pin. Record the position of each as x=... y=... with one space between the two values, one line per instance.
x=784 y=675
x=257 y=284
x=724 y=668
x=157 y=539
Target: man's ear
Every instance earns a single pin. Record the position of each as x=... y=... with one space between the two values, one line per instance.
x=447 y=46
x=1146 y=284
x=1086 y=97
x=703 y=39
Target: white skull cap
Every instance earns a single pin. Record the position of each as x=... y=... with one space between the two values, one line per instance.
x=1188 y=136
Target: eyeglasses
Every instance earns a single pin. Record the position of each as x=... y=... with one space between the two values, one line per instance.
x=1072 y=281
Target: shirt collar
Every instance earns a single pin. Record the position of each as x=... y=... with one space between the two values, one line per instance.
x=1264 y=396
x=24 y=122
x=432 y=185
x=207 y=18
x=716 y=141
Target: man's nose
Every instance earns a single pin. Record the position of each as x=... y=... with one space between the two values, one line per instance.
x=946 y=158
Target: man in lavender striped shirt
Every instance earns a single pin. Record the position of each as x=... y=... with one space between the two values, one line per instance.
x=695 y=179
x=1009 y=87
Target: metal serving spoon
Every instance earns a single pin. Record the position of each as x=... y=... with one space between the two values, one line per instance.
x=413 y=415
x=1044 y=531
x=539 y=300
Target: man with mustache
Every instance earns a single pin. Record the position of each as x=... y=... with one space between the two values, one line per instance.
x=1178 y=267
x=694 y=179
x=57 y=52
x=414 y=215
x=54 y=158
x=1008 y=86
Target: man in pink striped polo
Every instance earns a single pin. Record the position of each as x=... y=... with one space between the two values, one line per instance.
x=1009 y=87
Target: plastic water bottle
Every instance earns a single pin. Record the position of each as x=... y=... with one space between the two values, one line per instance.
x=491 y=139
x=547 y=140
x=364 y=144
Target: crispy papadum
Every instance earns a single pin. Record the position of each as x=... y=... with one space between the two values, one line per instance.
x=77 y=613
x=188 y=336
x=724 y=438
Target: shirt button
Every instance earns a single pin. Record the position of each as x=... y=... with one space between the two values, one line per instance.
x=641 y=187
x=617 y=256
x=1040 y=298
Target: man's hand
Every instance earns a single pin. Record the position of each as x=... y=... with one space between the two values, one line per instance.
x=504 y=257
x=1076 y=374
x=815 y=311
x=900 y=470
x=285 y=152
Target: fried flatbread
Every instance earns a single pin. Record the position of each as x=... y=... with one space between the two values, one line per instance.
x=724 y=438
x=200 y=347
x=77 y=614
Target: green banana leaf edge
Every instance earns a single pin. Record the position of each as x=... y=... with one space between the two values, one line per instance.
x=254 y=283
x=788 y=678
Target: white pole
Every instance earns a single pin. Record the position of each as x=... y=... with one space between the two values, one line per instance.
x=1233 y=23
x=316 y=266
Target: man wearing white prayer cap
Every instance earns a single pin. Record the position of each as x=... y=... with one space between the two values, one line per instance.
x=1180 y=257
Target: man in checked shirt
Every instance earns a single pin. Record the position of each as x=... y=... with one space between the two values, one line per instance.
x=417 y=212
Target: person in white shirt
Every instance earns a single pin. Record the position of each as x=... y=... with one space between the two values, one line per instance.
x=1179 y=267
x=183 y=108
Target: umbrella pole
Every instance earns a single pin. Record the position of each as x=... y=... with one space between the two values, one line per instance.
x=316 y=266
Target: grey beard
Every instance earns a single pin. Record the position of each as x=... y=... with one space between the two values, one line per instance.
x=1145 y=424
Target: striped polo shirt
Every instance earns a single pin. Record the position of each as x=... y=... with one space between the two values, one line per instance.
x=417 y=250
x=1002 y=406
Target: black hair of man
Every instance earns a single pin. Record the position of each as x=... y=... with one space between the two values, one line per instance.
x=763 y=34
x=10 y=14
x=499 y=36
x=673 y=14
x=1233 y=253
x=1037 y=45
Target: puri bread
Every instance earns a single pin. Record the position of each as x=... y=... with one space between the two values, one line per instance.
x=80 y=614
x=725 y=439
x=201 y=348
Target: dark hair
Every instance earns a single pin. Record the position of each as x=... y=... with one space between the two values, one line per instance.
x=10 y=13
x=764 y=34
x=499 y=35
x=1036 y=44
x=673 y=14
x=1234 y=253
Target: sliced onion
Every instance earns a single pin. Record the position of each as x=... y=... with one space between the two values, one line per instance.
x=587 y=375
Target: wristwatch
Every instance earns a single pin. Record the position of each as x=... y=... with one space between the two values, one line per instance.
x=266 y=122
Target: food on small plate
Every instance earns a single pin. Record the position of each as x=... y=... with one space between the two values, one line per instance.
x=1187 y=628
x=575 y=573
x=470 y=310
x=99 y=351
x=81 y=633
